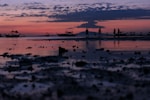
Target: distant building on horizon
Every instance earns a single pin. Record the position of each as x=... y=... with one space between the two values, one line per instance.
x=87 y=33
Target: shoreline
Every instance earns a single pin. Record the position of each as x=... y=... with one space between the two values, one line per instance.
x=103 y=37
x=134 y=38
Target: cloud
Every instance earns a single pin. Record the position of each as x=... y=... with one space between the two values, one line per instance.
x=90 y=24
x=94 y=14
x=4 y=5
x=89 y=13
x=97 y=11
x=32 y=6
x=30 y=15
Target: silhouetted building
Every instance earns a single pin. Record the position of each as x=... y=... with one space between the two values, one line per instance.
x=118 y=33
x=99 y=32
x=14 y=33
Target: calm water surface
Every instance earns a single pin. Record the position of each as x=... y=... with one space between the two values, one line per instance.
x=50 y=47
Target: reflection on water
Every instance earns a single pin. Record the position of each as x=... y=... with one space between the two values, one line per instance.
x=50 y=47
x=34 y=46
x=85 y=63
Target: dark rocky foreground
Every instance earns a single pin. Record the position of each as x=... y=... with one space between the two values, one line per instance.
x=113 y=76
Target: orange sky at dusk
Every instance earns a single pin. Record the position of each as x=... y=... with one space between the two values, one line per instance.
x=52 y=17
x=126 y=25
x=25 y=27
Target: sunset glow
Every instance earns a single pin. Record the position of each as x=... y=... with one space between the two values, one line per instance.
x=74 y=49
x=126 y=25
x=52 y=17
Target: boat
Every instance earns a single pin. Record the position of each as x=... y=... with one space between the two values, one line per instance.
x=68 y=33
x=13 y=34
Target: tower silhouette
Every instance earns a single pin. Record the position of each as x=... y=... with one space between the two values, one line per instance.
x=87 y=32
x=114 y=33
x=118 y=33
x=99 y=32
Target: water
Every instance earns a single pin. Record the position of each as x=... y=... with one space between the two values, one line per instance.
x=99 y=62
x=39 y=46
x=47 y=47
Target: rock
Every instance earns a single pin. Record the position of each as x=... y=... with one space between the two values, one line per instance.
x=80 y=63
x=62 y=51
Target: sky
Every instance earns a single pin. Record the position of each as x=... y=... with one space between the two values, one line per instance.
x=58 y=16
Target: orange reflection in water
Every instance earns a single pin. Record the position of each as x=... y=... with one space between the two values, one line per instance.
x=37 y=47
x=46 y=47
x=75 y=48
x=126 y=45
